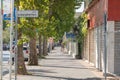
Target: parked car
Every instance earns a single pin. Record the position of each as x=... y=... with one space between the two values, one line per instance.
x=5 y=47
x=25 y=52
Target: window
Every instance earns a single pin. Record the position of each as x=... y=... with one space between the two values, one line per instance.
x=88 y=23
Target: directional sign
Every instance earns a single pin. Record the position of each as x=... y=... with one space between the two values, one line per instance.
x=27 y=13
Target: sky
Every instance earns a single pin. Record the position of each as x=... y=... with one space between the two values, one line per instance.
x=81 y=8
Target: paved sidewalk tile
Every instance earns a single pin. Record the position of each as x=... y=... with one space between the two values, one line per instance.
x=60 y=66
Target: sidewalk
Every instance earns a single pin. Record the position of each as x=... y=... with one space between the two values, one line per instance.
x=59 y=66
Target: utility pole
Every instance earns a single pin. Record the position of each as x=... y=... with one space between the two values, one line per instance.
x=1 y=38
x=105 y=39
x=11 y=39
x=105 y=47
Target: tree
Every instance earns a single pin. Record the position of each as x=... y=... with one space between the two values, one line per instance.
x=37 y=25
x=21 y=65
x=6 y=37
x=63 y=12
x=81 y=21
x=55 y=17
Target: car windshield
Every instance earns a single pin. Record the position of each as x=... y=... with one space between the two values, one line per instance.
x=24 y=48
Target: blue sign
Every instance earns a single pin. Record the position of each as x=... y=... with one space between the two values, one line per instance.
x=8 y=16
x=70 y=35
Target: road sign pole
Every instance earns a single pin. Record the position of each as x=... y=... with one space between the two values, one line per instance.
x=16 y=49
x=11 y=39
x=1 y=37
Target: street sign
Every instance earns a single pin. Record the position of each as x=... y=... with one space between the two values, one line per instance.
x=27 y=13
x=6 y=6
x=70 y=35
x=8 y=16
x=6 y=9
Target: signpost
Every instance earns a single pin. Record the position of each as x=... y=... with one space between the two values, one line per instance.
x=8 y=12
x=6 y=9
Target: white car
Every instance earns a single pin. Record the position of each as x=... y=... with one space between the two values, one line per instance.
x=25 y=52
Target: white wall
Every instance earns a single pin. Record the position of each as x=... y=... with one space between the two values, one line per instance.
x=110 y=46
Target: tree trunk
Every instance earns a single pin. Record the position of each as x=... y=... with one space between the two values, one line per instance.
x=20 y=65
x=45 y=46
x=40 y=45
x=33 y=59
x=21 y=68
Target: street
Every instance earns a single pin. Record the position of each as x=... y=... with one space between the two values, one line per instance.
x=5 y=63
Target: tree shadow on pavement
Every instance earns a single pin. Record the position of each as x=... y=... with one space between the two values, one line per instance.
x=39 y=71
x=62 y=58
x=69 y=67
x=65 y=78
x=5 y=72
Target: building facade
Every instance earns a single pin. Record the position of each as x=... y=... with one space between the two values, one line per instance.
x=94 y=44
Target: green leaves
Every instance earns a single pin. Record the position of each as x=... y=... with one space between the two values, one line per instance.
x=63 y=12
x=82 y=21
x=55 y=16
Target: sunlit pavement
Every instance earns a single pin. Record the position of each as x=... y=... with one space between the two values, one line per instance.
x=60 y=66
